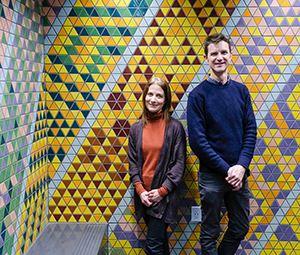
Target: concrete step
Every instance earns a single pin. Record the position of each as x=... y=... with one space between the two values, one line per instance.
x=71 y=239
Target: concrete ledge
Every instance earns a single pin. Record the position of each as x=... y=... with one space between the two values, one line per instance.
x=71 y=239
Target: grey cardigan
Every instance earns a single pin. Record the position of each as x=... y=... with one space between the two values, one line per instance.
x=169 y=170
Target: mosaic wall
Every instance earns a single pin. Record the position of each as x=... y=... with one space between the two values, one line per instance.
x=23 y=171
x=99 y=54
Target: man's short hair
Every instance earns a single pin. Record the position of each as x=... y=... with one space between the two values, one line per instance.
x=215 y=38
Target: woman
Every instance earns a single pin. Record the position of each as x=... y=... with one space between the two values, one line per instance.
x=157 y=152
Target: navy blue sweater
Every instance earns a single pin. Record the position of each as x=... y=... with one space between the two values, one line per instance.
x=221 y=125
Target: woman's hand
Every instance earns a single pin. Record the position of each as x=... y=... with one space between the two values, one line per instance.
x=145 y=198
x=154 y=196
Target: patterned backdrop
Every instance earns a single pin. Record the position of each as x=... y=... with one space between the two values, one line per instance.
x=98 y=56
x=23 y=144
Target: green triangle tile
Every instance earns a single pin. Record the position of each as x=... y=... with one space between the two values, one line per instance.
x=92 y=31
x=102 y=12
x=71 y=49
x=97 y=59
x=76 y=40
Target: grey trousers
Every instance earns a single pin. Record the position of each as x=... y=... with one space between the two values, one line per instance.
x=214 y=193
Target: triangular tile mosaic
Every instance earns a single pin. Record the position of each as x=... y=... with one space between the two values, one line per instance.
x=23 y=147
x=100 y=55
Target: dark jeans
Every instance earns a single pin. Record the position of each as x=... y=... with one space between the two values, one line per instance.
x=214 y=193
x=157 y=238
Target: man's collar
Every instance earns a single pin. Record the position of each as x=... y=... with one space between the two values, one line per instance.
x=216 y=82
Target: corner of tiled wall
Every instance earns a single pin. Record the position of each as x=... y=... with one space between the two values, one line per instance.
x=97 y=55
x=23 y=142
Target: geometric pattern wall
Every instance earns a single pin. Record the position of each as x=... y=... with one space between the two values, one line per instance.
x=100 y=54
x=23 y=145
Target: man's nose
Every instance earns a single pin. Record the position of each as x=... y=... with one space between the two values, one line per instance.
x=219 y=56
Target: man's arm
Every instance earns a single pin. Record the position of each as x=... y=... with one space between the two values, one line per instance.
x=237 y=172
x=197 y=136
x=250 y=132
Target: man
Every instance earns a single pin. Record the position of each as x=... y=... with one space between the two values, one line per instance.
x=222 y=133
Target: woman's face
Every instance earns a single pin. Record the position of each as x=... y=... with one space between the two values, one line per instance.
x=155 y=99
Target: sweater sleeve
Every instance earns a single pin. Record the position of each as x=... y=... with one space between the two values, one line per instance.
x=163 y=191
x=197 y=136
x=139 y=188
x=175 y=172
x=134 y=170
x=250 y=132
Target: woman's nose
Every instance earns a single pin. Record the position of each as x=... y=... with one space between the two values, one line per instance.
x=153 y=99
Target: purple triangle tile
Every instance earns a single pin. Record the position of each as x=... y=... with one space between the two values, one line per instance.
x=270 y=122
x=284 y=23
x=241 y=23
x=246 y=245
x=259 y=41
x=288 y=146
x=290 y=86
x=253 y=237
x=263 y=10
x=275 y=207
x=295 y=125
x=247 y=60
x=285 y=233
x=6 y=198
x=274 y=69
x=259 y=212
x=260 y=146
x=283 y=194
x=277 y=11
x=261 y=228
x=253 y=50
x=296 y=23
x=271 y=173
x=291 y=13
x=296 y=173
x=271 y=21
x=241 y=69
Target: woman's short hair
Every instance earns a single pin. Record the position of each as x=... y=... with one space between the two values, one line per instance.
x=168 y=99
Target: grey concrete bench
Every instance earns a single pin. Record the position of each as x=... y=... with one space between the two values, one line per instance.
x=71 y=238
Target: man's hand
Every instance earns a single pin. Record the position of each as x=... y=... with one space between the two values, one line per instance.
x=154 y=196
x=145 y=198
x=235 y=176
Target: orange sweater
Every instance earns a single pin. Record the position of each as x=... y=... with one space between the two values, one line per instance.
x=153 y=139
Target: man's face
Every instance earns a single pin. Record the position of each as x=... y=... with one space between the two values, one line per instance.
x=218 y=57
